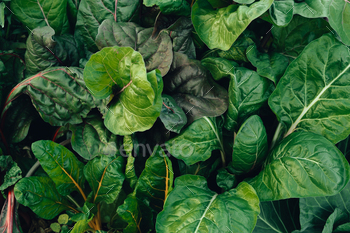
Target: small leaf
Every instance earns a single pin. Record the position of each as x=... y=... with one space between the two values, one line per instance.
x=130 y=173
x=63 y=219
x=339 y=19
x=205 y=210
x=61 y=165
x=130 y=212
x=13 y=172
x=225 y=180
x=39 y=193
x=196 y=142
x=105 y=175
x=172 y=116
x=304 y=164
x=176 y=7
x=250 y=146
x=281 y=12
x=55 y=227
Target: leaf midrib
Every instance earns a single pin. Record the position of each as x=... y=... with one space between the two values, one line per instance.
x=205 y=212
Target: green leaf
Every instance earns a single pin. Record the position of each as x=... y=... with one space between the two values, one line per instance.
x=59 y=94
x=63 y=219
x=61 y=165
x=291 y=40
x=81 y=226
x=190 y=84
x=269 y=65
x=122 y=70
x=176 y=7
x=130 y=173
x=41 y=196
x=2 y=14
x=281 y=12
x=250 y=146
x=220 y=28
x=13 y=172
x=156 y=180
x=312 y=8
x=156 y=52
x=344 y=146
x=225 y=180
x=316 y=211
x=131 y=214
x=91 y=138
x=92 y=13
x=55 y=227
x=171 y=115
x=42 y=13
x=197 y=141
x=304 y=164
x=248 y=92
x=339 y=19
x=205 y=168
x=105 y=175
x=278 y=216
x=219 y=67
x=45 y=50
x=313 y=93
x=206 y=211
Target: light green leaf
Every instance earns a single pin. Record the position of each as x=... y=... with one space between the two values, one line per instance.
x=281 y=12
x=250 y=146
x=177 y=7
x=55 y=227
x=312 y=8
x=92 y=138
x=207 y=211
x=197 y=141
x=130 y=173
x=220 y=28
x=81 y=226
x=314 y=92
x=61 y=165
x=157 y=52
x=339 y=19
x=42 y=13
x=2 y=14
x=304 y=164
x=172 y=116
x=219 y=67
x=63 y=219
x=41 y=196
x=105 y=175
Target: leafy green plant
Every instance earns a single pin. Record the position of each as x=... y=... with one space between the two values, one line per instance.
x=175 y=116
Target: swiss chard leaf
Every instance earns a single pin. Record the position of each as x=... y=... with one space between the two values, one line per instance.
x=92 y=138
x=172 y=116
x=61 y=165
x=13 y=172
x=130 y=173
x=197 y=141
x=339 y=19
x=206 y=211
x=304 y=164
x=313 y=93
x=156 y=52
x=41 y=196
x=130 y=213
x=177 y=7
x=219 y=28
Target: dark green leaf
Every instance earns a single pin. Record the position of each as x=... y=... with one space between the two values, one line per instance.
x=193 y=207
x=92 y=13
x=188 y=82
x=225 y=180
x=219 y=67
x=42 y=13
x=205 y=168
x=156 y=52
x=2 y=14
x=304 y=164
x=281 y=12
x=131 y=214
x=92 y=138
x=197 y=141
x=13 y=172
x=105 y=175
x=61 y=165
x=177 y=7
x=250 y=146
x=344 y=146
x=339 y=19
x=313 y=93
x=269 y=65
x=220 y=28
x=172 y=116
x=278 y=216
x=59 y=94
x=41 y=196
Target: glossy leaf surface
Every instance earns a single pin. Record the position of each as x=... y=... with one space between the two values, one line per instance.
x=172 y=116
x=339 y=19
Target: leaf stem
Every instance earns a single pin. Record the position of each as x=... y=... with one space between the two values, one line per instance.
x=277 y=135
x=33 y=168
x=73 y=201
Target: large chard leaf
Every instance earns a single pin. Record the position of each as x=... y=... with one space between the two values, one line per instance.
x=189 y=83
x=61 y=165
x=220 y=28
x=193 y=207
x=13 y=172
x=250 y=146
x=172 y=116
x=156 y=52
x=45 y=50
x=304 y=164
x=315 y=211
x=41 y=196
x=122 y=71
x=314 y=92
x=197 y=141
x=92 y=138
x=278 y=216
x=59 y=94
x=291 y=40
x=105 y=175
x=339 y=19
x=42 y=13
x=91 y=14
x=177 y=7
x=156 y=180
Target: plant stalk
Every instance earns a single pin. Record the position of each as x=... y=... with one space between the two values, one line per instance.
x=277 y=135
